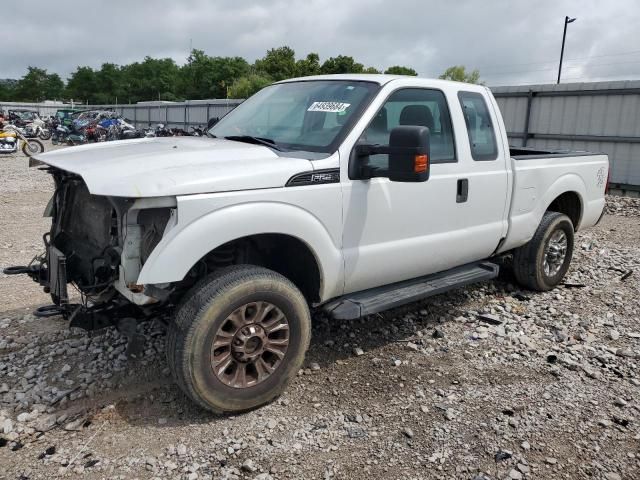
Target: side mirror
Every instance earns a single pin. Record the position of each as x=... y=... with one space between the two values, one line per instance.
x=408 y=152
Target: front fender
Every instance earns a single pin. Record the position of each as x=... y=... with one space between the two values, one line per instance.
x=184 y=245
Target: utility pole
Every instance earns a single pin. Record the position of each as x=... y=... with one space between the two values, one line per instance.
x=567 y=21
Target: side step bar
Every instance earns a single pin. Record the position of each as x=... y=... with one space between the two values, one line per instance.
x=366 y=302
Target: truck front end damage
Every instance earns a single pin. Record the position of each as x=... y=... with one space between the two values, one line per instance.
x=98 y=244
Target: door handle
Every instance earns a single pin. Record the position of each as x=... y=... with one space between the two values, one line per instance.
x=462 y=193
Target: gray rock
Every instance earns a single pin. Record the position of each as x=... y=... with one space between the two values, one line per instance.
x=23 y=417
x=45 y=423
x=515 y=474
x=408 y=432
x=249 y=466
x=263 y=476
x=7 y=426
x=75 y=425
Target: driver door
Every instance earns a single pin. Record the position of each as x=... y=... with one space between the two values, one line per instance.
x=395 y=231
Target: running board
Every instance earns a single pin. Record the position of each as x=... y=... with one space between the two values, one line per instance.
x=366 y=302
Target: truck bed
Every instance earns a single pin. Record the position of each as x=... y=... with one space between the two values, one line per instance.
x=541 y=176
x=527 y=153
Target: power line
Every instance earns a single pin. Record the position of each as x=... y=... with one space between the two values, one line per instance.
x=632 y=52
x=585 y=67
x=596 y=79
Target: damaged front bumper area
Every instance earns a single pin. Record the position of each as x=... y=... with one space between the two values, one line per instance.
x=98 y=245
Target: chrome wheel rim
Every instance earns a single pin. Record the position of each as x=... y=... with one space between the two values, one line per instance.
x=250 y=345
x=555 y=253
x=33 y=147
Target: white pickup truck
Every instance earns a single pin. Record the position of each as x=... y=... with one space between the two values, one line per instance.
x=348 y=193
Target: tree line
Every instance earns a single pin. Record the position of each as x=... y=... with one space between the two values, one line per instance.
x=201 y=77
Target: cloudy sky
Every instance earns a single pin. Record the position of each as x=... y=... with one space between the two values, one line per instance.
x=510 y=41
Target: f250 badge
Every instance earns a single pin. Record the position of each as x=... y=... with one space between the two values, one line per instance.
x=601 y=176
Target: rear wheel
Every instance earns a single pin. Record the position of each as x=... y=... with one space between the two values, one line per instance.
x=238 y=338
x=32 y=147
x=542 y=263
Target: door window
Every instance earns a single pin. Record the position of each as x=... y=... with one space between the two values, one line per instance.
x=413 y=106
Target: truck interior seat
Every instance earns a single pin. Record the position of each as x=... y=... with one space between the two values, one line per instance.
x=417 y=115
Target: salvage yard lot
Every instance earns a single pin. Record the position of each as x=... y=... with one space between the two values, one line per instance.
x=484 y=382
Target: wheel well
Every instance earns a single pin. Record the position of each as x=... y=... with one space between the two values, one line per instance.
x=570 y=204
x=287 y=255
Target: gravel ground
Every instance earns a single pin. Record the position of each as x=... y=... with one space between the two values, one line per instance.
x=487 y=382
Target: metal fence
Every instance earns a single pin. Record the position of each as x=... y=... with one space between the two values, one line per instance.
x=598 y=117
x=171 y=114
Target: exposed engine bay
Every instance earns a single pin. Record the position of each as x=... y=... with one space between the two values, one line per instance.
x=98 y=245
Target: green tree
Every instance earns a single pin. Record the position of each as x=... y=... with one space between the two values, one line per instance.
x=457 y=73
x=371 y=70
x=210 y=77
x=37 y=85
x=341 y=64
x=7 y=93
x=278 y=64
x=151 y=79
x=82 y=85
x=244 y=87
x=308 y=66
x=400 y=70
x=109 y=83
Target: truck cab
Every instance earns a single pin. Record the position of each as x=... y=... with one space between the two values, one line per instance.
x=347 y=193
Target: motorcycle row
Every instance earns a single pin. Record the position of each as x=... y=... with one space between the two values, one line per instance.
x=21 y=129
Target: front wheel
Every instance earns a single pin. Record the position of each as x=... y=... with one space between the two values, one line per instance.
x=32 y=147
x=542 y=263
x=44 y=134
x=238 y=338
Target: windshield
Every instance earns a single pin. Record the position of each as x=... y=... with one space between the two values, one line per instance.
x=64 y=113
x=25 y=115
x=307 y=115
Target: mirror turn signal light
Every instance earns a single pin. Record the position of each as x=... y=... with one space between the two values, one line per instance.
x=421 y=163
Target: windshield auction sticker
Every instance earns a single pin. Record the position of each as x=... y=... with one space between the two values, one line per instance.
x=333 y=107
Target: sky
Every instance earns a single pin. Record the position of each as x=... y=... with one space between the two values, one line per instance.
x=511 y=42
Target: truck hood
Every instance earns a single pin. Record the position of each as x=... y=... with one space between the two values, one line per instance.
x=158 y=167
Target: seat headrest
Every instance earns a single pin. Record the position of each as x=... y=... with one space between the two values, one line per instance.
x=417 y=115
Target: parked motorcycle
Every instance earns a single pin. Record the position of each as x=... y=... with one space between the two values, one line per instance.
x=37 y=128
x=64 y=135
x=197 y=131
x=11 y=139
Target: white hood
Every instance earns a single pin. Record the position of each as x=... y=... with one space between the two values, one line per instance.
x=158 y=167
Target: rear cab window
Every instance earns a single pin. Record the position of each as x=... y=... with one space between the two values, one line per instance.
x=482 y=136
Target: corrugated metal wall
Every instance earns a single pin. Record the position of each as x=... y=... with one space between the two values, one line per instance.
x=598 y=117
